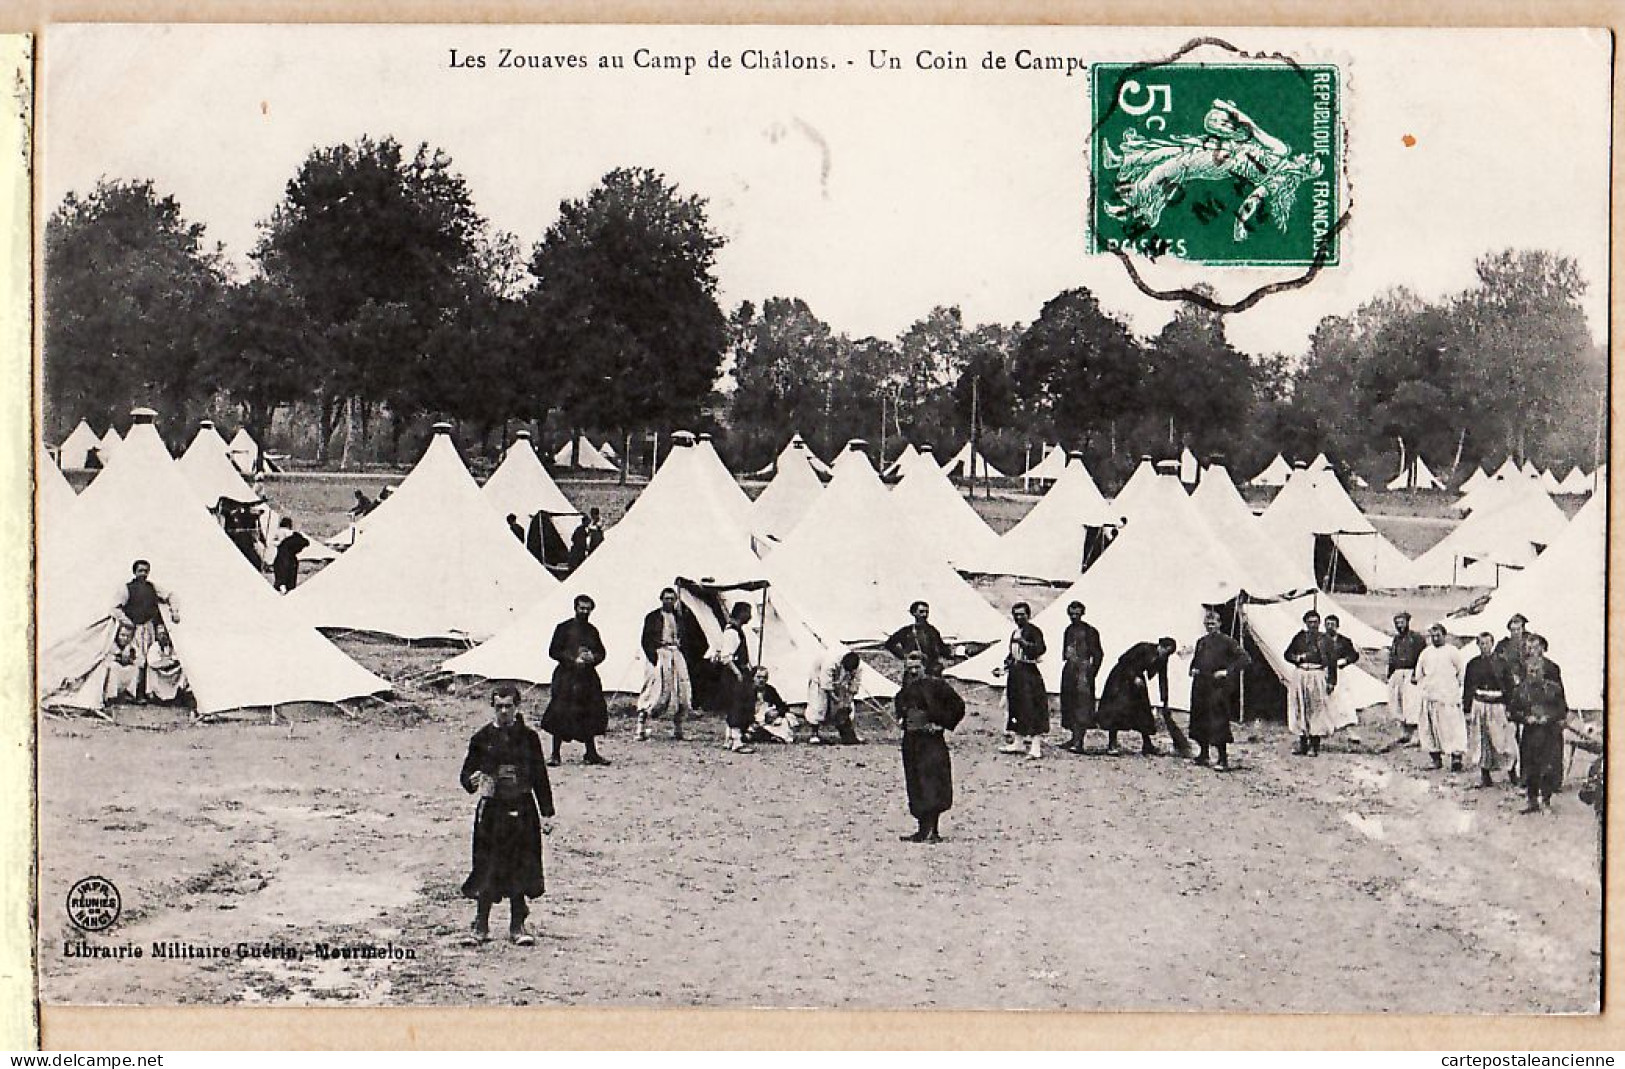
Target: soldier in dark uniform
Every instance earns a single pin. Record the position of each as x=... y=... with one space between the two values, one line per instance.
x=576 y=710
x=1216 y=667
x=920 y=637
x=736 y=680
x=1081 y=657
x=1125 y=701
x=926 y=708
x=1539 y=704
x=504 y=767
x=1024 y=692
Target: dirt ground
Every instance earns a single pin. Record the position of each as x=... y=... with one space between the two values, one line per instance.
x=682 y=875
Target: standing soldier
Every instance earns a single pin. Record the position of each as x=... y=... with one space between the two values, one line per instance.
x=1081 y=656
x=927 y=707
x=1440 y=679
x=920 y=637
x=1541 y=706
x=504 y=767
x=736 y=688
x=1402 y=654
x=1216 y=667
x=1024 y=687
x=667 y=684
x=1486 y=688
x=1308 y=693
x=576 y=710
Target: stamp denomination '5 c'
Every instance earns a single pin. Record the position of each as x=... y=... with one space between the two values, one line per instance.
x=1226 y=164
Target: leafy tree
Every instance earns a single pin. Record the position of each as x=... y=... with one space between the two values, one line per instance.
x=1198 y=383
x=1079 y=367
x=381 y=249
x=625 y=303
x=131 y=295
x=783 y=360
x=259 y=354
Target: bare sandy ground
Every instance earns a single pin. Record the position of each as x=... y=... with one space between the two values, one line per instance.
x=682 y=875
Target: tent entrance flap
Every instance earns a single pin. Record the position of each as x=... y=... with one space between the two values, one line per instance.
x=1262 y=694
x=1095 y=541
x=1333 y=572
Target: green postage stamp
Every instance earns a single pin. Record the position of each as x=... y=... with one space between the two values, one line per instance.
x=1229 y=164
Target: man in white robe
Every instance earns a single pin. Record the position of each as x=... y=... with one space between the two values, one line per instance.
x=1440 y=675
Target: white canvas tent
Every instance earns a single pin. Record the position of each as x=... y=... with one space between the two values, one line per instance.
x=246 y=455
x=1575 y=482
x=1314 y=505
x=210 y=472
x=853 y=566
x=942 y=520
x=590 y=459
x=435 y=562
x=1154 y=580
x=76 y=447
x=709 y=467
x=608 y=452
x=1142 y=479
x=1051 y=463
x=1474 y=481
x=1421 y=478
x=1189 y=469
x=1562 y=595
x=1275 y=473
x=1051 y=541
x=681 y=527
x=54 y=498
x=1493 y=539
x=110 y=443
x=1550 y=483
x=904 y=463
x=240 y=643
x=796 y=447
x=961 y=466
x=787 y=498
x=521 y=486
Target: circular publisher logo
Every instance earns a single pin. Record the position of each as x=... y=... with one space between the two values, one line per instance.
x=94 y=904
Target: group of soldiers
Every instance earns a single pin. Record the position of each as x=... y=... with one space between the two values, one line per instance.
x=1501 y=711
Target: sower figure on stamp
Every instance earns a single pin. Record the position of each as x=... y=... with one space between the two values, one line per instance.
x=1125 y=700
x=927 y=707
x=504 y=767
x=1024 y=687
x=1216 y=667
x=576 y=710
x=1081 y=657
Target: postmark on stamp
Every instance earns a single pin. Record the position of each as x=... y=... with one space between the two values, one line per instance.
x=1225 y=164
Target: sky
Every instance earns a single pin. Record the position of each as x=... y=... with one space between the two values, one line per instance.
x=872 y=194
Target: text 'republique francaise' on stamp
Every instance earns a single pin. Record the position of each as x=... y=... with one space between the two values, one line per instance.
x=1222 y=160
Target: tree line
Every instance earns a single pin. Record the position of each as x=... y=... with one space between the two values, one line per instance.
x=378 y=299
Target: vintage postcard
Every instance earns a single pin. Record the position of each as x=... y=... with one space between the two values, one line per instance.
x=862 y=518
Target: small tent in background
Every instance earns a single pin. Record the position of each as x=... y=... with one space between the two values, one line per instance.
x=787 y=498
x=240 y=644
x=1575 y=482
x=943 y=521
x=1189 y=469
x=109 y=445
x=521 y=486
x=209 y=471
x=1562 y=595
x=1420 y=477
x=588 y=459
x=852 y=565
x=1495 y=537
x=1474 y=481
x=1529 y=470
x=246 y=455
x=1049 y=467
x=54 y=497
x=1275 y=473
x=1144 y=476
x=1314 y=520
x=608 y=452
x=76 y=447
x=1061 y=534
x=904 y=463
x=1550 y=483
x=796 y=447
x=963 y=466
x=435 y=562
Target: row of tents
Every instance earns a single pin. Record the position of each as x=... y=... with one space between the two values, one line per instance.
x=827 y=567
